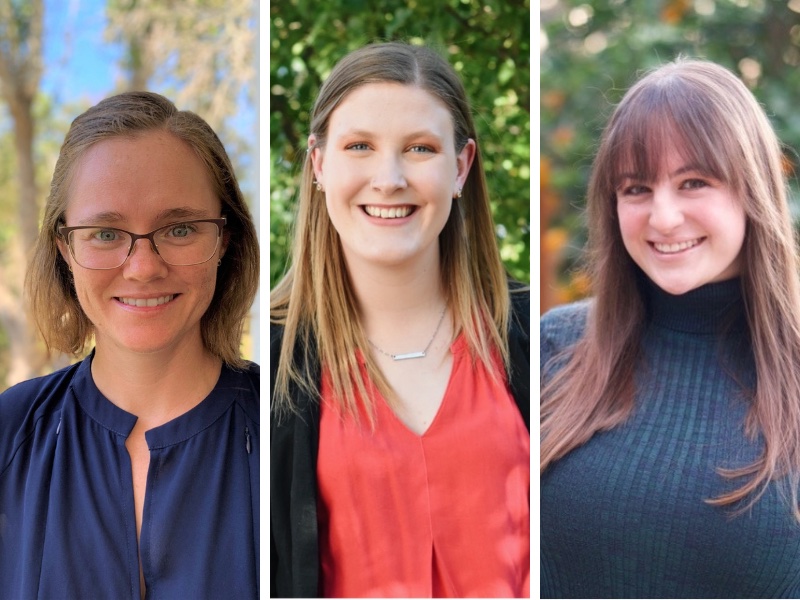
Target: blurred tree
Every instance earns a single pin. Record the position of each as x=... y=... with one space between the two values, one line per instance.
x=201 y=50
x=593 y=50
x=20 y=73
x=487 y=41
x=200 y=53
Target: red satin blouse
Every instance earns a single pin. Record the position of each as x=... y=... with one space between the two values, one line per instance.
x=443 y=514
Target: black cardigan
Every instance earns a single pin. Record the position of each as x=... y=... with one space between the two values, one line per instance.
x=294 y=551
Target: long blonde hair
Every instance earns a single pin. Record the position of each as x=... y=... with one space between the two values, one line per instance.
x=54 y=302
x=314 y=302
x=720 y=127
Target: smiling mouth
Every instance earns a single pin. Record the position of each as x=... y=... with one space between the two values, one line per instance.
x=148 y=302
x=395 y=212
x=676 y=247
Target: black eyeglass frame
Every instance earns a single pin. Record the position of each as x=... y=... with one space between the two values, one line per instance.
x=64 y=232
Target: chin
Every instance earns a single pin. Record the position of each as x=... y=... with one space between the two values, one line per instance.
x=676 y=288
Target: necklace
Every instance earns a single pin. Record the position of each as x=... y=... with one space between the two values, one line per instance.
x=418 y=354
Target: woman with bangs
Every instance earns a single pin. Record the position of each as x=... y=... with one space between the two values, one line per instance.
x=670 y=401
x=399 y=357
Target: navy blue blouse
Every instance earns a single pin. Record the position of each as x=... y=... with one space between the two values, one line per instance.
x=67 y=524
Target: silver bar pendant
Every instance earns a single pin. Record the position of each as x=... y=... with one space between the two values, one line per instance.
x=409 y=355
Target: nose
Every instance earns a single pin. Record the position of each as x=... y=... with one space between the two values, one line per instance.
x=388 y=176
x=144 y=263
x=666 y=213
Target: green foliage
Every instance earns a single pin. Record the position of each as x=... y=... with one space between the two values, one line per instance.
x=488 y=44
x=595 y=49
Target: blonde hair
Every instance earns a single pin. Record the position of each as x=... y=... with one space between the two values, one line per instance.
x=314 y=302
x=719 y=126
x=53 y=301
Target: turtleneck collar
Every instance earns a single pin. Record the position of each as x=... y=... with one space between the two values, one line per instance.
x=711 y=308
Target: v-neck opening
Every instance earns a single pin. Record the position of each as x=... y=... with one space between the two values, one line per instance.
x=457 y=349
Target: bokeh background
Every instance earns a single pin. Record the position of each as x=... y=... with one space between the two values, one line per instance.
x=591 y=51
x=488 y=43
x=59 y=57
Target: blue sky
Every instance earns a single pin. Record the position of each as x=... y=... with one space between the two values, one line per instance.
x=79 y=64
x=81 y=68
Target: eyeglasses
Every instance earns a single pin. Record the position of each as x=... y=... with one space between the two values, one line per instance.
x=178 y=244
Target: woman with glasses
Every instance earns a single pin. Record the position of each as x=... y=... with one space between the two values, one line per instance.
x=136 y=469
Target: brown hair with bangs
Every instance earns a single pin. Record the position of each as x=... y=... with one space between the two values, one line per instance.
x=314 y=301
x=719 y=128
x=48 y=283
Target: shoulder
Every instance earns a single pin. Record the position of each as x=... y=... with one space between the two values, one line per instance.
x=565 y=323
x=246 y=381
x=24 y=405
x=275 y=340
x=562 y=327
x=520 y=297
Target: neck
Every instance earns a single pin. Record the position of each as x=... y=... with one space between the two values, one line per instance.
x=157 y=386
x=398 y=290
x=400 y=307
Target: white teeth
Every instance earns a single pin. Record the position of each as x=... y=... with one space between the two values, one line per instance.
x=672 y=248
x=147 y=301
x=396 y=212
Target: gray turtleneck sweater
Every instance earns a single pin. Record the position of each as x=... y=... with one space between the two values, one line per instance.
x=623 y=516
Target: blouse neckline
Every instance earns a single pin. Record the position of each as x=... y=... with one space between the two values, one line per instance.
x=113 y=418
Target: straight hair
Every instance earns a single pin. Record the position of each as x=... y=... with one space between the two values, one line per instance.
x=715 y=123
x=48 y=283
x=314 y=301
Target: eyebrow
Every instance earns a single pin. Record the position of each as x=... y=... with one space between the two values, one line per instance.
x=363 y=133
x=182 y=212
x=675 y=173
x=102 y=217
x=112 y=216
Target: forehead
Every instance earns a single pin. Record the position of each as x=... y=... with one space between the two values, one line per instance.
x=389 y=107
x=137 y=176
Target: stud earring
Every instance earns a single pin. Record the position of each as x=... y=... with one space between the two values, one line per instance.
x=318 y=185
x=457 y=194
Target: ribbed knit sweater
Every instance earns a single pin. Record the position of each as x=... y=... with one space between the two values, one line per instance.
x=623 y=516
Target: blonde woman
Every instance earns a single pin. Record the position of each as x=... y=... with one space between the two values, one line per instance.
x=135 y=471
x=670 y=409
x=399 y=351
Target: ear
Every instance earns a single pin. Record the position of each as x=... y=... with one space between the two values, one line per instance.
x=464 y=163
x=317 y=157
x=226 y=238
x=64 y=251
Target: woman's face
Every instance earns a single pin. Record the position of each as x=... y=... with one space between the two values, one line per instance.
x=139 y=184
x=390 y=170
x=684 y=230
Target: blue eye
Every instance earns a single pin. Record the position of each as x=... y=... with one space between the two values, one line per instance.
x=694 y=184
x=181 y=231
x=106 y=235
x=419 y=148
x=358 y=146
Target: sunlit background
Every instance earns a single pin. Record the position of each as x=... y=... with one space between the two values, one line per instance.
x=59 y=57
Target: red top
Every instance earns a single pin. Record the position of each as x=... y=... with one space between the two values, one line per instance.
x=443 y=514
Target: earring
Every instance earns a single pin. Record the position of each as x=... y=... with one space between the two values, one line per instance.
x=318 y=185
x=457 y=194
x=219 y=262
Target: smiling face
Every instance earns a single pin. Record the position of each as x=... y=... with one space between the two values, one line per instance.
x=139 y=184
x=390 y=171
x=685 y=229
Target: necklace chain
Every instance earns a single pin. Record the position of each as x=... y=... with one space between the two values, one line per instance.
x=419 y=354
